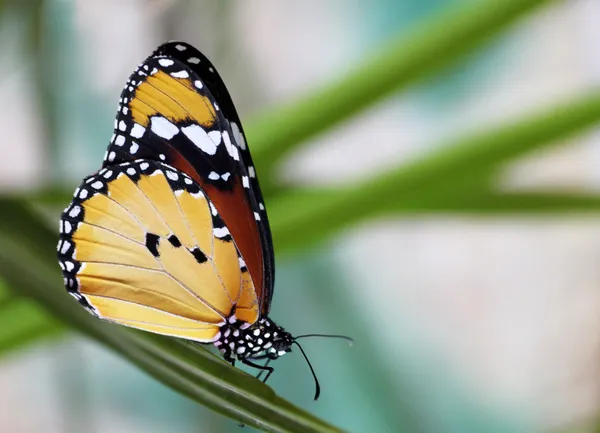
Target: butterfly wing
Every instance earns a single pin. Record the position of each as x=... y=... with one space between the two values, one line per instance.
x=176 y=109
x=142 y=245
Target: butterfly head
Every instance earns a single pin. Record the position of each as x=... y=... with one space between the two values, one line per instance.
x=282 y=344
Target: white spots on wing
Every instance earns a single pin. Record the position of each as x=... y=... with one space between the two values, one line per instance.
x=220 y=232
x=256 y=332
x=187 y=180
x=131 y=171
x=241 y=350
x=201 y=139
x=242 y=262
x=163 y=128
x=172 y=175
x=75 y=211
x=245 y=182
x=215 y=136
x=165 y=62
x=237 y=136
x=261 y=206
x=97 y=185
x=137 y=131
x=194 y=60
x=231 y=149
x=213 y=175
x=251 y=172
x=181 y=47
x=216 y=106
x=211 y=69
x=198 y=84
x=69 y=266
x=256 y=216
x=213 y=209
x=134 y=148
x=153 y=71
x=125 y=110
x=111 y=156
x=122 y=126
x=65 y=247
x=162 y=156
x=83 y=194
x=144 y=166
x=67 y=227
x=107 y=174
x=180 y=74
x=130 y=88
x=120 y=140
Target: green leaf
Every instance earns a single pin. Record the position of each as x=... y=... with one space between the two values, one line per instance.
x=440 y=178
x=27 y=264
x=431 y=46
x=23 y=323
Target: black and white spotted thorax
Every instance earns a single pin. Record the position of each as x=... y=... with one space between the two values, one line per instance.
x=263 y=339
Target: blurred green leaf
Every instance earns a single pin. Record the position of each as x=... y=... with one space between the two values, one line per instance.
x=441 y=177
x=514 y=203
x=23 y=323
x=431 y=46
x=27 y=264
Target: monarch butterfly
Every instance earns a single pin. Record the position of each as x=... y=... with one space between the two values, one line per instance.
x=171 y=235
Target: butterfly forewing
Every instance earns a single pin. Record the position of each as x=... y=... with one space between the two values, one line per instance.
x=202 y=66
x=175 y=109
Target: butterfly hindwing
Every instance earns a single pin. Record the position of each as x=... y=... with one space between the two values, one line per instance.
x=175 y=109
x=142 y=245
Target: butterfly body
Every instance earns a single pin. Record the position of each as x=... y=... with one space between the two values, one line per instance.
x=264 y=339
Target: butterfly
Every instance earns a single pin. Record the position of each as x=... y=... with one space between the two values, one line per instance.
x=171 y=234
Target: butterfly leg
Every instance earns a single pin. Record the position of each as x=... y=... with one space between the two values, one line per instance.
x=260 y=373
x=265 y=367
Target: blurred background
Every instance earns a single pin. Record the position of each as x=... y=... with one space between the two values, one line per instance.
x=464 y=321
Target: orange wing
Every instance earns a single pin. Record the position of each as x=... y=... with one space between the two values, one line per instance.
x=142 y=245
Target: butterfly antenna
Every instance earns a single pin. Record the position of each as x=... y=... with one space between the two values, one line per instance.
x=317 y=386
x=343 y=337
